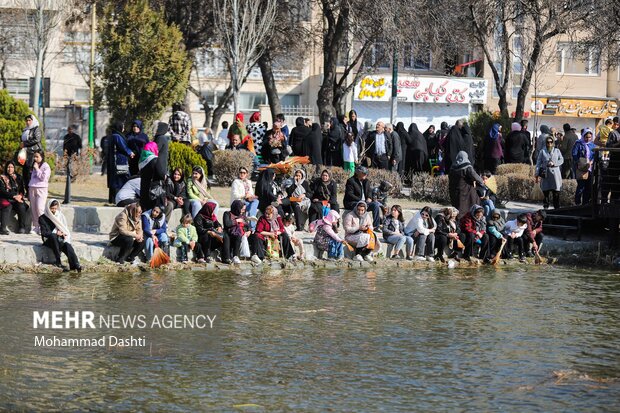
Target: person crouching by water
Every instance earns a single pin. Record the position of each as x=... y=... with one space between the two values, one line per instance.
x=127 y=233
x=187 y=240
x=56 y=235
x=154 y=228
x=394 y=233
x=236 y=226
x=474 y=226
x=326 y=238
x=514 y=231
x=211 y=235
x=269 y=233
x=359 y=233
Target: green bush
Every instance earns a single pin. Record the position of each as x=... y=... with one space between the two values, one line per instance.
x=184 y=157
x=50 y=158
x=226 y=165
x=12 y=114
x=480 y=124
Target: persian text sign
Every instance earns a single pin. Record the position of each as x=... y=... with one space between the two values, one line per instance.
x=578 y=108
x=423 y=89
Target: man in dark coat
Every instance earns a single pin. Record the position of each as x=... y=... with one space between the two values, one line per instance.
x=358 y=189
x=72 y=142
x=397 y=153
x=566 y=147
x=379 y=147
x=462 y=178
x=153 y=174
x=459 y=139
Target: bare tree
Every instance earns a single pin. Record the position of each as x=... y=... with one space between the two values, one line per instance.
x=536 y=23
x=43 y=18
x=243 y=28
x=8 y=34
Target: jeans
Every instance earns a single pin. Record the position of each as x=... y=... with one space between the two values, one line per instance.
x=251 y=209
x=375 y=208
x=149 y=245
x=584 y=189
x=488 y=206
x=426 y=244
x=399 y=241
x=196 y=206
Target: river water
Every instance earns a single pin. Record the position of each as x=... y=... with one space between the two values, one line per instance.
x=331 y=340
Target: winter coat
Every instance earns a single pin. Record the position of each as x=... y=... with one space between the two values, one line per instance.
x=299 y=137
x=461 y=186
x=353 y=234
x=152 y=227
x=553 y=179
x=397 y=152
x=324 y=192
x=185 y=235
x=314 y=145
x=264 y=226
x=124 y=225
x=118 y=154
x=355 y=191
x=392 y=226
x=152 y=182
x=516 y=147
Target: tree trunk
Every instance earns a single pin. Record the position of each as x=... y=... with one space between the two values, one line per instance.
x=266 y=70
x=527 y=79
x=339 y=102
x=332 y=40
x=502 y=103
x=3 y=74
x=222 y=106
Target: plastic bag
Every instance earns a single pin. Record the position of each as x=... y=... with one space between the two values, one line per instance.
x=22 y=155
x=244 y=251
x=273 y=248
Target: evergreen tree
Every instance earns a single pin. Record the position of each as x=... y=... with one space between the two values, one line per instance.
x=144 y=65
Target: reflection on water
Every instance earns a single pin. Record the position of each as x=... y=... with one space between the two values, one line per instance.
x=341 y=340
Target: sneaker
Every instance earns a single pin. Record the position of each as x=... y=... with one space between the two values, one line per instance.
x=255 y=259
x=136 y=261
x=420 y=258
x=209 y=260
x=521 y=258
x=430 y=259
x=236 y=260
x=33 y=232
x=369 y=258
x=358 y=258
x=201 y=261
x=4 y=232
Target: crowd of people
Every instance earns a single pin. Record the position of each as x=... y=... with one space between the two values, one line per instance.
x=261 y=222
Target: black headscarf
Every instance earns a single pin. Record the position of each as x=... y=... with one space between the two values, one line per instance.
x=402 y=132
x=416 y=140
x=353 y=124
x=236 y=207
x=264 y=183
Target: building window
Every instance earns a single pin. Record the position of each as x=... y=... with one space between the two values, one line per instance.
x=416 y=59
x=290 y=100
x=82 y=95
x=568 y=61
x=19 y=88
x=378 y=56
x=250 y=101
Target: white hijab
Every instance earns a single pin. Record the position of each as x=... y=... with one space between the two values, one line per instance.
x=58 y=219
x=26 y=131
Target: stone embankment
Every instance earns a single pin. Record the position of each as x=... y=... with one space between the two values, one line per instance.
x=91 y=225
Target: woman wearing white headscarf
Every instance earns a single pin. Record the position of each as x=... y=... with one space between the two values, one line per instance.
x=57 y=236
x=357 y=224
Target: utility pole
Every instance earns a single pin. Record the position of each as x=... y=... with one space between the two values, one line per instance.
x=394 y=112
x=91 y=103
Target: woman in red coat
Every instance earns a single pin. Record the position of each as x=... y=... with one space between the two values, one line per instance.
x=269 y=227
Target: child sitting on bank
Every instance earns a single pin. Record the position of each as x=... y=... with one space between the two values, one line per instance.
x=289 y=227
x=187 y=240
x=326 y=238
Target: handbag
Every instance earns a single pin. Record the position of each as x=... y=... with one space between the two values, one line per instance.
x=273 y=248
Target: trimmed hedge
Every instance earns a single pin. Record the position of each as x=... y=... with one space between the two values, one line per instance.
x=226 y=164
x=184 y=157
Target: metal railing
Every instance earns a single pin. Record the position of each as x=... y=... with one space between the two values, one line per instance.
x=606 y=182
